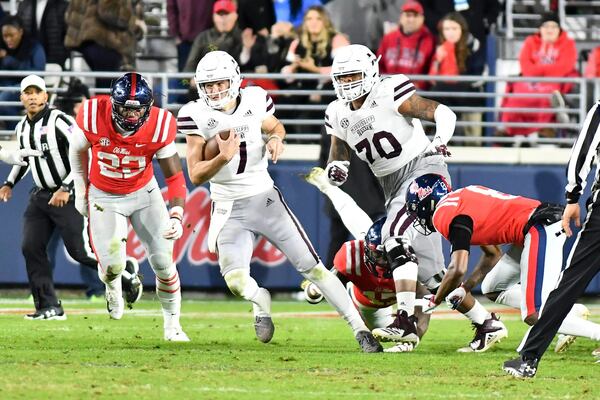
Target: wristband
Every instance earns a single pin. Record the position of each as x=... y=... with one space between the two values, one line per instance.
x=9 y=184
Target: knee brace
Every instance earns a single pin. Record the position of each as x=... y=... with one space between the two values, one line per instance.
x=399 y=252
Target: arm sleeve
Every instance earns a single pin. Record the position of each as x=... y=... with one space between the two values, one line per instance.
x=79 y=172
x=18 y=172
x=461 y=231
x=583 y=155
x=64 y=126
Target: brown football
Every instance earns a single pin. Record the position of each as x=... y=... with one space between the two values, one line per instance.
x=211 y=147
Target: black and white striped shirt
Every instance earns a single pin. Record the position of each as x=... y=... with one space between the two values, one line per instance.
x=49 y=132
x=585 y=150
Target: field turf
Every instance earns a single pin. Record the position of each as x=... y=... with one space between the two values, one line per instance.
x=312 y=356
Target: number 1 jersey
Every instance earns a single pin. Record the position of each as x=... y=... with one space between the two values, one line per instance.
x=377 y=132
x=246 y=174
x=123 y=164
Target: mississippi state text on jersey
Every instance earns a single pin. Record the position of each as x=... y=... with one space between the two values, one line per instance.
x=498 y=218
x=377 y=132
x=246 y=174
x=369 y=290
x=122 y=164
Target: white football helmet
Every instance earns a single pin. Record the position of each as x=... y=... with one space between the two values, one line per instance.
x=354 y=59
x=218 y=66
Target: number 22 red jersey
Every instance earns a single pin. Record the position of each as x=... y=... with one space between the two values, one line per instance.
x=498 y=218
x=369 y=290
x=121 y=164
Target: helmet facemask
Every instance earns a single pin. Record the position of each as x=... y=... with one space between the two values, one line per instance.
x=353 y=90
x=218 y=100
x=131 y=115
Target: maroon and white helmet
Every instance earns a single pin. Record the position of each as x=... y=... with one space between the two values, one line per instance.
x=354 y=59
x=218 y=66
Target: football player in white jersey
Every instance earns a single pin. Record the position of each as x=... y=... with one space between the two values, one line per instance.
x=245 y=201
x=379 y=119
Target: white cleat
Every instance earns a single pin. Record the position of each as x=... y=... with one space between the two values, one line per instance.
x=565 y=341
x=489 y=333
x=317 y=177
x=176 y=334
x=114 y=303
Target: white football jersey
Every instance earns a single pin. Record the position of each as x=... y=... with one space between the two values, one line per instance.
x=377 y=132
x=246 y=174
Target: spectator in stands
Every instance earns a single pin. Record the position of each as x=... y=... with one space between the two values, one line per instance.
x=105 y=32
x=293 y=10
x=313 y=52
x=365 y=21
x=258 y=15
x=454 y=56
x=408 y=49
x=18 y=52
x=480 y=16
x=278 y=45
x=548 y=53
x=45 y=21
x=592 y=68
x=187 y=19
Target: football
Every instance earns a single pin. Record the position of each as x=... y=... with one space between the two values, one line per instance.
x=211 y=147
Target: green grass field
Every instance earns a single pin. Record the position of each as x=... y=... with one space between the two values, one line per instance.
x=312 y=356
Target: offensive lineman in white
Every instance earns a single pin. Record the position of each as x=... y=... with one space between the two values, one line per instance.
x=245 y=201
x=379 y=119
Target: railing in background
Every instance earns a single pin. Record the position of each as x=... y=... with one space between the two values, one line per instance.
x=490 y=100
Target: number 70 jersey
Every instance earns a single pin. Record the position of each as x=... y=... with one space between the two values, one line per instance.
x=246 y=174
x=377 y=132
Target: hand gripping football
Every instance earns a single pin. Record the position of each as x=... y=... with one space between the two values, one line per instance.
x=211 y=146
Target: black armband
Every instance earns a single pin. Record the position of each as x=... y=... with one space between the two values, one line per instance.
x=572 y=197
x=461 y=231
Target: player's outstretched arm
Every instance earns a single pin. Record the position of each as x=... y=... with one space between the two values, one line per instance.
x=200 y=170
x=275 y=134
x=490 y=256
x=459 y=260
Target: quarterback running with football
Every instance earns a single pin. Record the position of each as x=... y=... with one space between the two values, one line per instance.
x=245 y=201
x=124 y=133
x=477 y=215
x=379 y=119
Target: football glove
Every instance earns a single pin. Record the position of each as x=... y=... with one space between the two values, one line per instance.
x=175 y=229
x=456 y=297
x=17 y=157
x=437 y=147
x=337 y=172
x=429 y=303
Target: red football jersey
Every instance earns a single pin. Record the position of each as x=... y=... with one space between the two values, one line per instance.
x=369 y=290
x=120 y=164
x=498 y=218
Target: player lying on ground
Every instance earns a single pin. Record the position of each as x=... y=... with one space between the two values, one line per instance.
x=476 y=215
x=245 y=201
x=489 y=329
x=124 y=133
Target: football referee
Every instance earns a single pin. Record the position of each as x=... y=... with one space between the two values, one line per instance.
x=583 y=263
x=51 y=204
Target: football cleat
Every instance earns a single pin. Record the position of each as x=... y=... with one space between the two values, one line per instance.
x=131 y=281
x=52 y=313
x=565 y=341
x=403 y=329
x=176 y=334
x=520 y=368
x=596 y=353
x=401 y=348
x=486 y=335
x=368 y=343
x=318 y=178
x=264 y=328
x=114 y=303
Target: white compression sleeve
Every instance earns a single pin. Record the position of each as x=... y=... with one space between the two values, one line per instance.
x=445 y=122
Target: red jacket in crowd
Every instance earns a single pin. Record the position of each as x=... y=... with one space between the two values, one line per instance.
x=548 y=59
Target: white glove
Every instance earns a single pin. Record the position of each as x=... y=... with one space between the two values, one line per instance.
x=312 y=293
x=337 y=172
x=175 y=229
x=81 y=204
x=437 y=147
x=428 y=303
x=16 y=157
x=456 y=297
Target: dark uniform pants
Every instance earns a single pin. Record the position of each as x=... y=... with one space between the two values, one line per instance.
x=583 y=266
x=40 y=221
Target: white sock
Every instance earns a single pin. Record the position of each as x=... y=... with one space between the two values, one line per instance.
x=336 y=295
x=477 y=314
x=578 y=326
x=354 y=218
x=406 y=299
x=242 y=284
x=511 y=297
x=168 y=290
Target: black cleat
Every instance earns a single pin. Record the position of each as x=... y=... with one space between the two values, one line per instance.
x=520 y=368
x=48 y=314
x=264 y=328
x=368 y=343
x=131 y=281
x=403 y=329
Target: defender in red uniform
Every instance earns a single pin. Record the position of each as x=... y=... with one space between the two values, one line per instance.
x=124 y=133
x=482 y=216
